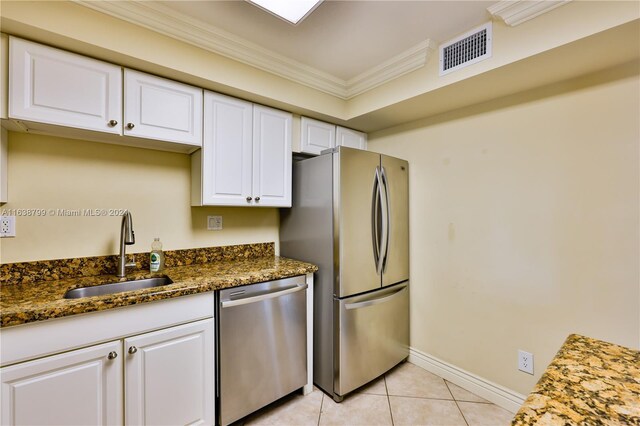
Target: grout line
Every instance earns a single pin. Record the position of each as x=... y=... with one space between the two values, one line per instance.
x=457 y=405
x=424 y=397
x=321 y=403
x=384 y=378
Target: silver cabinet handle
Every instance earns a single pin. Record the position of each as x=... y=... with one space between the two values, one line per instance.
x=257 y=199
x=294 y=289
x=113 y=123
x=130 y=126
x=249 y=199
x=112 y=355
x=133 y=350
x=372 y=302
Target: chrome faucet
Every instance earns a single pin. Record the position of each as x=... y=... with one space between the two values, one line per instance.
x=127 y=237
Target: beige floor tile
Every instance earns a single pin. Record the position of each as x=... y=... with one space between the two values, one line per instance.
x=485 y=414
x=410 y=380
x=460 y=394
x=430 y=412
x=295 y=410
x=377 y=387
x=356 y=409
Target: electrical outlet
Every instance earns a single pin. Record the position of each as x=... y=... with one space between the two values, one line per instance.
x=7 y=226
x=525 y=362
x=214 y=223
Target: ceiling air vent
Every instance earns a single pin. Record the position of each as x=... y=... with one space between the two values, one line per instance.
x=466 y=49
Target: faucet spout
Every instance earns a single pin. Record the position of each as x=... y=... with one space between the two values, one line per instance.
x=127 y=237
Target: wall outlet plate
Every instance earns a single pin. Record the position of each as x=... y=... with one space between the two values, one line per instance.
x=7 y=226
x=525 y=361
x=214 y=223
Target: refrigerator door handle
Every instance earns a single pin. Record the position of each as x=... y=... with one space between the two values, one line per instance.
x=375 y=301
x=261 y=297
x=384 y=219
x=375 y=204
x=386 y=225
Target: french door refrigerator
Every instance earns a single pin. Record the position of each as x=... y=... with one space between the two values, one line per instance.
x=350 y=216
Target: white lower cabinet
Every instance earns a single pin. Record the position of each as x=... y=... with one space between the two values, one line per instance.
x=81 y=387
x=169 y=376
x=164 y=377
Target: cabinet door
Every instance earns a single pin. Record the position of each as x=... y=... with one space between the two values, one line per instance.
x=157 y=108
x=316 y=136
x=271 y=157
x=81 y=387
x=226 y=151
x=56 y=87
x=169 y=376
x=350 y=138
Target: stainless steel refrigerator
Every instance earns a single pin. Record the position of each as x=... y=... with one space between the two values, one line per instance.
x=350 y=216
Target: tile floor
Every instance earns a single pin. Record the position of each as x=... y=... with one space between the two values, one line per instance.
x=407 y=395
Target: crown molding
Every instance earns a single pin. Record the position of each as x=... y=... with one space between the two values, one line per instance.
x=515 y=12
x=161 y=19
x=409 y=60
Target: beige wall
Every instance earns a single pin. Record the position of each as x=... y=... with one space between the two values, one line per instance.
x=54 y=173
x=525 y=224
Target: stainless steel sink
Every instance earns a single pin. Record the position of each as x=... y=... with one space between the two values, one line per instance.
x=119 y=287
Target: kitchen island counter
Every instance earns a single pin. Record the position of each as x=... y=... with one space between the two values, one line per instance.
x=588 y=382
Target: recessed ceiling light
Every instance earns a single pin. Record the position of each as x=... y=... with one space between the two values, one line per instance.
x=292 y=11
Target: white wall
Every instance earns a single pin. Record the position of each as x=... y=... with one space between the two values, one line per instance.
x=54 y=173
x=525 y=224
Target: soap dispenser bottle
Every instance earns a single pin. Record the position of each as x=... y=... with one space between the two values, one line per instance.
x=156 y=259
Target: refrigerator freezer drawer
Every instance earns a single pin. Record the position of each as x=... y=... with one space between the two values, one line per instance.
x=373 y=335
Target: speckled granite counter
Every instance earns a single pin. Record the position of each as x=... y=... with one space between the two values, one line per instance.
x=589 y=382
x=29 y=301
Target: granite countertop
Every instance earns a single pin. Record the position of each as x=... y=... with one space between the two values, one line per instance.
x=589 y=382
x=26 y=302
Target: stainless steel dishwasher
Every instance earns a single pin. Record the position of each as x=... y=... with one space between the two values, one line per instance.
x=262 y=350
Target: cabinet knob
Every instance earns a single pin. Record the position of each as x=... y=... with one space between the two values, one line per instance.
x=112 y=355
x=113 y=123
x=257 y=199
x=249 y=199
x=133 y=350
x=130 y=126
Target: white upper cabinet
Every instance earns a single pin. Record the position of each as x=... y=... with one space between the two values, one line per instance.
x=161 y=109
x=350 y=138
x=4 y=143
x=80 y=387
x=169 y=376
x=226 y=158
x=246 y=155
x=316 y=136
x=271 y=157
x=4 y=76
x=52 y=86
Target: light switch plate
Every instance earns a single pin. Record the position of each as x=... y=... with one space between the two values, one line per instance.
x=214 y=223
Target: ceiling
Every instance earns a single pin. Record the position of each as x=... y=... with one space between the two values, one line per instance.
x=342 y=38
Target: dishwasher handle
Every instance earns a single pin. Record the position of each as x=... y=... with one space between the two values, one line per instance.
x=260 y=298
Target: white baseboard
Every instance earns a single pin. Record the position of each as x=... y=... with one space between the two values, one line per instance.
x=499 y=395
